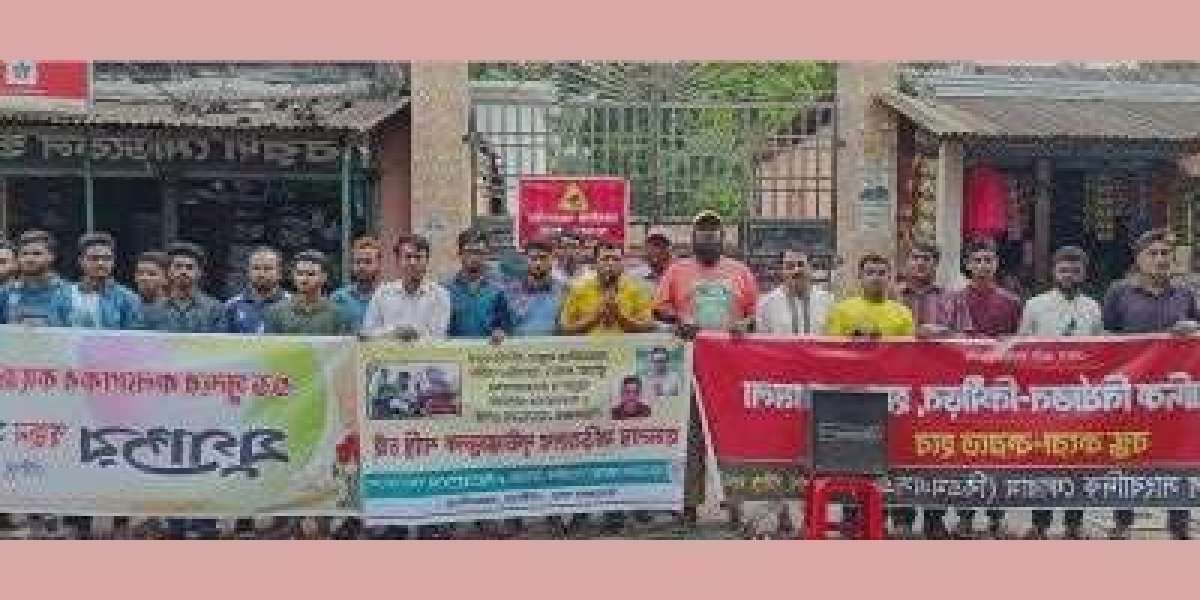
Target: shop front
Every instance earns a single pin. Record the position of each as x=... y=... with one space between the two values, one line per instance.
x=1035 y=173
x=226 y=188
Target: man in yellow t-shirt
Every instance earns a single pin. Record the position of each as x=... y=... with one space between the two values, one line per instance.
x=608 y=302
x=871 y=314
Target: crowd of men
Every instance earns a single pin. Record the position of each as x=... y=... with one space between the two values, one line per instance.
x=573 y=285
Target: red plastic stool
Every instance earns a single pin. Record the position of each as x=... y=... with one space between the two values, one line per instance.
x=862 y=490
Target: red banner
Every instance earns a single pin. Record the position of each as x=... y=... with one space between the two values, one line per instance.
x=33 y=84
x=1082 y=403
x=593 y=206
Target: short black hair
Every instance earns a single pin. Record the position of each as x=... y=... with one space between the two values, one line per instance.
x=540 y=243
x=416 y=241
x=982 y=245
x=1070 y=254
x=607 y=244
x=926 y=248
x=471 y=236
x=37 y=236
x=1154 y=236
x=659 y=351
x=157 y=257
x=95 y=238
x=632 y=379
x=312 y=256
x=873 y=258
x=264 y=249
x=190 y=250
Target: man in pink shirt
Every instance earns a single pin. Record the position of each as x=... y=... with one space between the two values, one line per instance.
x=708 y=291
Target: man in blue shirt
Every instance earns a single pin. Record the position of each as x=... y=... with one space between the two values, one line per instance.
x=479 y=307
x=27 y=300
x=535 y=299
x=365 y=271
x=96 y=301
x=264 y=274
x=185 y=309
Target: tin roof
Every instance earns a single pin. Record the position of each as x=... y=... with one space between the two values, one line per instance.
x=353 y=114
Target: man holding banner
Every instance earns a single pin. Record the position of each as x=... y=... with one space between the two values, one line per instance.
x=1148 y=302
x=707 y=292
x=414 y=307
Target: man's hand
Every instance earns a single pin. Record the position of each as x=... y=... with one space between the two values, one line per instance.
x=932 y=331
x=405 y=333
x=740 y=327
x=1186 y=328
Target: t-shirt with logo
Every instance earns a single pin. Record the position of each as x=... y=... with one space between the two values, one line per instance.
x=711 y=297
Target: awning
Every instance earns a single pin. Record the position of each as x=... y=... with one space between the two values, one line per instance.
x=1031 y=118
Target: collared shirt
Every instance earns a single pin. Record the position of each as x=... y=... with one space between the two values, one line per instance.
x=198 y=313
x=477 y=308
x=28 y=304
x=291 y=317
x=711 y=297
x=859 y=316
x=1129 y=308
x=935 y=305
x=1053 y=314
x=353 y=302
x=244 y=312
x=427 y=310
x=994 y=310
x=781 y=313
x=586 y=297
x=535 y=310
x=112 y=306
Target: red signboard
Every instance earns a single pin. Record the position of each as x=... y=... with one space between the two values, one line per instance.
x=592 y=206
x=34 y=85
x=1091 y=403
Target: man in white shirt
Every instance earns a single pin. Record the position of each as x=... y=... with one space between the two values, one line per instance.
x=1062 y=311
x=414 y=307
x=796 y=307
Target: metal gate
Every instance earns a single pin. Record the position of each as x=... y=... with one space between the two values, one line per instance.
x=685 y=137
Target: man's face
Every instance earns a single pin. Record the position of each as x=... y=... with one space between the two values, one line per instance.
x=707 y=244
x=1068 y=275
x=658 y=253
x=265 y=271
x=795 y=268
x=413 y=262
x=308 y=277
x=184 y=272
x=609 y=264
x=568 y=253
x=874 y=278
x=540 y=263
x=35 y=259
x=366 y=265
x=631 y=392
x=473 y=256
x=982 y=265
x=96 y=262
x=150 y=278
x=1155 y=259
x=587 y=251
x=8 y=264
x=922 y=264
x=658 y=363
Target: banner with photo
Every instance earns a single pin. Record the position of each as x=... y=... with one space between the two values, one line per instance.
x=539 y=426
x=134 y=423
x=1036 y=422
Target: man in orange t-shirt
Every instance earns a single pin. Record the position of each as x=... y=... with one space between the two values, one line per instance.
x=706 y=292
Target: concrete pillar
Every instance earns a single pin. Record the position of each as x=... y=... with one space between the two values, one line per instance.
x=866 y=168
x=950 y=212
x=441 y=174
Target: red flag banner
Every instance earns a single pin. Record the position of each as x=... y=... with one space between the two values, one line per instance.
x=1089 y=421
x=45 y=85
x=592 y=206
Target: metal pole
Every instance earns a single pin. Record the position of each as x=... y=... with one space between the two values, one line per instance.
x=346 y=212
x=89 y=200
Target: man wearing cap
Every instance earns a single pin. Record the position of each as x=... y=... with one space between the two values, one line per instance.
x=708 y=291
